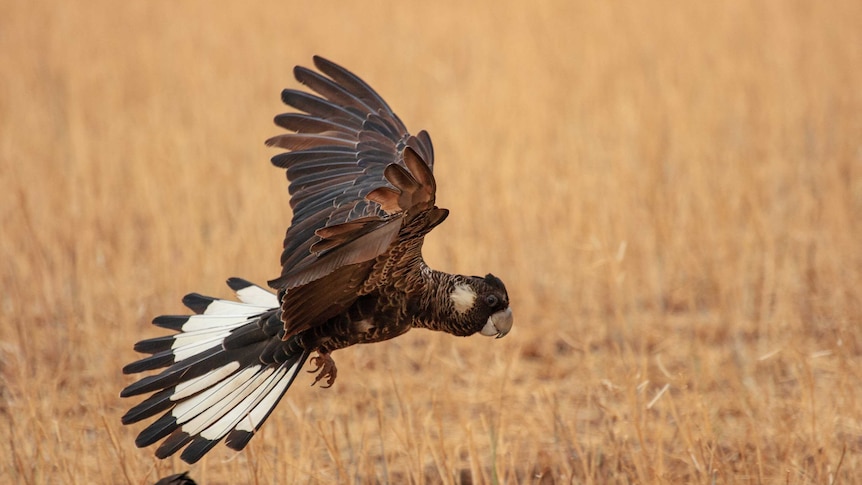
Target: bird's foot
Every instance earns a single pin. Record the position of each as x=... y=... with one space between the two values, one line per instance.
x=327 y=368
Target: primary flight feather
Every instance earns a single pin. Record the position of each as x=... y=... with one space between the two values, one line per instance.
x=363 y=198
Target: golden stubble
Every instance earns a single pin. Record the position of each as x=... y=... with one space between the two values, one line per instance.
x=671 y=192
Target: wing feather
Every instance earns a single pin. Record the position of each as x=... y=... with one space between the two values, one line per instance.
x=359 y=89
x=357 y=176
x=321 y=108
x=331 y=90
x=303 y=123
x=302 y=141
x=291 y=159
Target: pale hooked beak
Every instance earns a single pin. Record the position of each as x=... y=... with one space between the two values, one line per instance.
x=498 y=324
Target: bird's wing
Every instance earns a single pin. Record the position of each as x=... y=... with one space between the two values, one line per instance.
x=356 y=176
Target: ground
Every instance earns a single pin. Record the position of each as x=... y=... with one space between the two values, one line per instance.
x=672 y=193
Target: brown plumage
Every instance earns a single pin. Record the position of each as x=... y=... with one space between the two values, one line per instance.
x=363 y=198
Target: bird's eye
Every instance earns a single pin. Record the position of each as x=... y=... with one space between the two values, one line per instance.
x=492 y=300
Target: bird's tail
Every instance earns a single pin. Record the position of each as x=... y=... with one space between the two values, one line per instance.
x=226 y=370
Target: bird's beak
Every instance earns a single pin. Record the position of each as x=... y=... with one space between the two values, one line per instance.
x=498 y=324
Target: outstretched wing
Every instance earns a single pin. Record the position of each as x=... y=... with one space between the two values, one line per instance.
x=356 y=175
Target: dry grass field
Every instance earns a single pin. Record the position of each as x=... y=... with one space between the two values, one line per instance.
x=671 y=191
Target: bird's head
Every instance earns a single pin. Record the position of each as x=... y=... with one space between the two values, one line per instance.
x=483 y=305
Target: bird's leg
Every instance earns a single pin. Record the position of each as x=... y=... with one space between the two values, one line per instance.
x=326 y=366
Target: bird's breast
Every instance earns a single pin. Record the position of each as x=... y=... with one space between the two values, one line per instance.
x=376 y=329
x=365 y=325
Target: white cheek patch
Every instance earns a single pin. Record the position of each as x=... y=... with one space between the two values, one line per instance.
x=463 y=297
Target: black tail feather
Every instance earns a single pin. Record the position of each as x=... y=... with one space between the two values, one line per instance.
x=224 y=372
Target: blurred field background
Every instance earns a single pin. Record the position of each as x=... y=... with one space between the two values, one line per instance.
x=671 y=191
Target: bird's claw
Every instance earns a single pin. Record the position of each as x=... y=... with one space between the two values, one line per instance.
x=327 y=369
